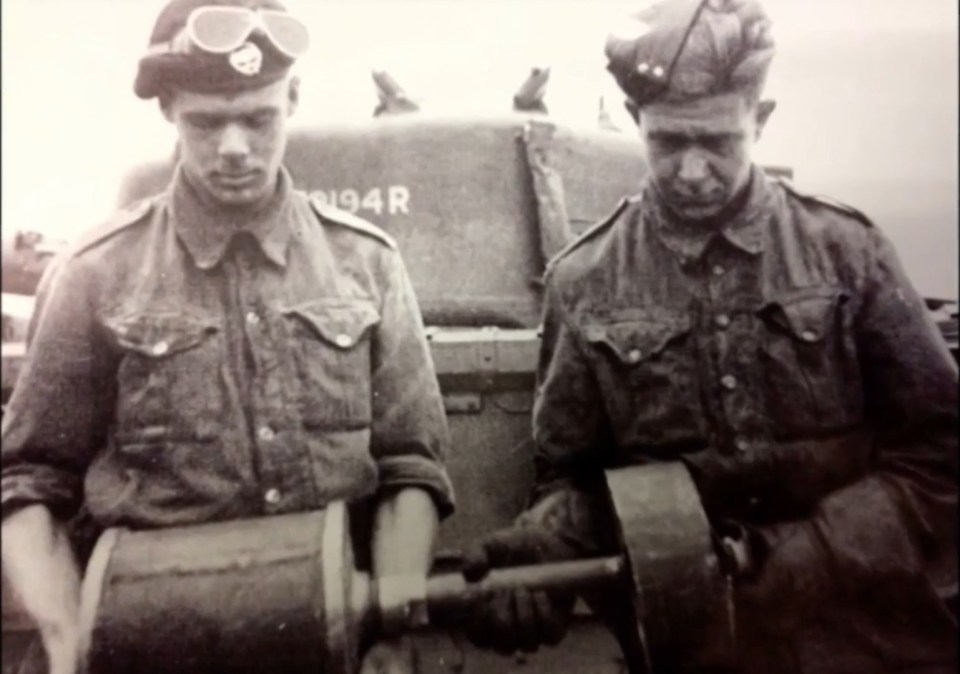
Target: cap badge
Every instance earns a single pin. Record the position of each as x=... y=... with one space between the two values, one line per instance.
x=247 y=59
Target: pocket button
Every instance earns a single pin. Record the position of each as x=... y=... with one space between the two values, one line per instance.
x=160 y=348
x=634 y=355
x=808 y=336
x=343 y=341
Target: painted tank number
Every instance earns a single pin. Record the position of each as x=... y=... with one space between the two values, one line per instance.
x=391 y=201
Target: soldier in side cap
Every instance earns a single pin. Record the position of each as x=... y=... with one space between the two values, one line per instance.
x=226 y=349
x=770 y=341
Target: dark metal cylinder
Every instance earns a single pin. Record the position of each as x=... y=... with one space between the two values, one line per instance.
x=269 y=595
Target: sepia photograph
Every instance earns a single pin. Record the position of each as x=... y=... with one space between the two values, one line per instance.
x=479 y=336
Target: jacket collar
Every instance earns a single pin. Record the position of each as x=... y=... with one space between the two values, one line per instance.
x=207 y=231
x=745 y=230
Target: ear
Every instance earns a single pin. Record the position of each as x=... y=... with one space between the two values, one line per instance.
x=764 y=110
x=293 y=94
x=633 y=109
x=165 y=108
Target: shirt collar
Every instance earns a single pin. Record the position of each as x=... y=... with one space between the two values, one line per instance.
x=207 y=232
x=745 y=230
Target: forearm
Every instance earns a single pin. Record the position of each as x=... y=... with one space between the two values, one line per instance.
x=41 y=569
x=404 y=529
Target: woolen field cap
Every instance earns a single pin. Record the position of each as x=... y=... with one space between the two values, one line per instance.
x=677 y=50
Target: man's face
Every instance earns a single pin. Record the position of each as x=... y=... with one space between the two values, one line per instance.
x=699 y=151
x=231 y=145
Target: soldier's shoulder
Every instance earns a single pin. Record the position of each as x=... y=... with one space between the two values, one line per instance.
x=823 y=204
x=119 y=221
x=591 y=237
x=332 y=216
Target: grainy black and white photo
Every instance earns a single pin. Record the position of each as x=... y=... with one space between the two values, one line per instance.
x=479 y=336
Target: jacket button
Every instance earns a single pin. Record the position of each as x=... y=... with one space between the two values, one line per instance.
x=742 y=444
x=718 y=270
x=253 y=318
x=634 y=355
x=160 y=348
x=343 y=341
x=728 y=381
x=266 y=433
x=272 y=496
x=722 y=321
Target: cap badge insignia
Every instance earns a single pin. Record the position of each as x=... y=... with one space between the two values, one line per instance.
x=247 y=59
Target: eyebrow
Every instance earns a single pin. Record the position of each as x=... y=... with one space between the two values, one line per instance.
x=665 y=134
x=203 y=115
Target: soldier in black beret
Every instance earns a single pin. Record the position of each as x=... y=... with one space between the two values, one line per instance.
x=228 y=348
x=768 y=340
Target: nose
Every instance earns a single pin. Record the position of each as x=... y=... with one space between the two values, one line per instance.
x=693 y=167
x=233 y=143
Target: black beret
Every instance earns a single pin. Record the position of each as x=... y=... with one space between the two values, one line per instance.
x=681 y=49
x=204 y=72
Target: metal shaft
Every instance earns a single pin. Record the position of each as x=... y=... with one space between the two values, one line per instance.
x=452 y=589
x=408 y=602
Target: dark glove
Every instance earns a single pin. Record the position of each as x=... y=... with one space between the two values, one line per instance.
x=790 y=581
x=739 y=549
x=508 y=621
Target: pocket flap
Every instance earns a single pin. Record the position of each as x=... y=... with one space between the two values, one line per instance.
x=341 y=322
x=806 y=314
x=635 y=341
x=158 y=335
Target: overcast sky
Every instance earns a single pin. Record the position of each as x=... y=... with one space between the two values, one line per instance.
x=867 y=93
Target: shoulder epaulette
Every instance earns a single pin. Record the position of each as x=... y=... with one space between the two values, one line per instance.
x=337 y=216
x=825 y=201
x=592 y=231
x=120 y=220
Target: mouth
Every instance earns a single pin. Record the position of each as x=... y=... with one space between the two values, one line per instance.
x=234 y=179
x=699 y=203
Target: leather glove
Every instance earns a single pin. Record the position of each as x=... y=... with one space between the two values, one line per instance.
x=520 y=619
x=790 y=580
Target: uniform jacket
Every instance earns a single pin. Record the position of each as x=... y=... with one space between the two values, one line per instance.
x=183 y=368
x=789 y=363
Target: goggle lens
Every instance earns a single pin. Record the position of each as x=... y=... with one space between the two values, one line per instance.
x=220 y=29
x=288 y=34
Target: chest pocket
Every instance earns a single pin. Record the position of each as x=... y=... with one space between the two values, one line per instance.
x=167 y=378
x=646 y=367
x=331 y=346
x=812 y=379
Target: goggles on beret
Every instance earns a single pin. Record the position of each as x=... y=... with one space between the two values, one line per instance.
x=222 y=29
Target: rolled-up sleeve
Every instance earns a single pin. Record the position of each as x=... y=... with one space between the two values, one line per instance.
x=410 y=434
x=60 y=407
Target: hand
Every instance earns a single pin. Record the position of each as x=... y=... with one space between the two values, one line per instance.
x=520 y=619
x=791 y=580
x=390 y=656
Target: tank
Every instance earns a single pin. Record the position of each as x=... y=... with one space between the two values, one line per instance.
x=477 y=205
